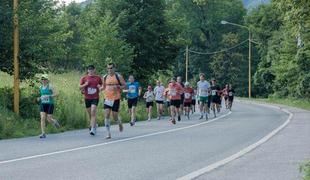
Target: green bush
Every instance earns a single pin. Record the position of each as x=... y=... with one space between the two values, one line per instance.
x=305 y=170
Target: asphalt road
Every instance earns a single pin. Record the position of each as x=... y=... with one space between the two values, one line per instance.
x=149 y=150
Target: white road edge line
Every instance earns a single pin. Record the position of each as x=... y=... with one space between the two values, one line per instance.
x=244 y=151
x=111 y=142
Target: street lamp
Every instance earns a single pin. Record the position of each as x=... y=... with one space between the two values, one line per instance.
x=250 y=53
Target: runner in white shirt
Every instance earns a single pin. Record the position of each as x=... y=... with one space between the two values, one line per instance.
x=159 y=98
x=203 y=88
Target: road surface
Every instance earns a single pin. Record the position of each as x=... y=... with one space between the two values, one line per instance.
x=149 y=150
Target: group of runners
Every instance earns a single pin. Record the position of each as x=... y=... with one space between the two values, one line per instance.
x=178 y=97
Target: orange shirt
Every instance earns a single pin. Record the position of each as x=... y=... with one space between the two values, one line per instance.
x=112 y=89
x=174 y=91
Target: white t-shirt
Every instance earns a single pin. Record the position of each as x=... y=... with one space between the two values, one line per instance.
x=159 y=93
x=202 y=88
x=149 y=96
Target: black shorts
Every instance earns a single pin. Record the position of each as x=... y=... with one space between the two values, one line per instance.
x=148 y=104
x=160 y=102
x=215 y=99
x=115 y=107
x=176 y=103
x=231 y=98
x=47 y=108
x=187 y=104
x=132 y=102
x=89 y=102
x=225 y=97
x=209 y=101
x=194 y=102
x=182 y=98
x=168 y=103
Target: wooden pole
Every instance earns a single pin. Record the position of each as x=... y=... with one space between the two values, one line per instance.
x=16 y=56
x=186 y=64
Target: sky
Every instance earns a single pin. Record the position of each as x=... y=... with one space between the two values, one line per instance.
x=69 y=1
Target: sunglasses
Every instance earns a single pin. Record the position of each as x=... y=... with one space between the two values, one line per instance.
x=109 y=68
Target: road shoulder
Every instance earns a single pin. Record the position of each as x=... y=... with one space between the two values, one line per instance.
x=277 y=159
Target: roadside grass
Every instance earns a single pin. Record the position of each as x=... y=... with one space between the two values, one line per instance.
x=305 y=170
x=290 y=101
x=69 y=107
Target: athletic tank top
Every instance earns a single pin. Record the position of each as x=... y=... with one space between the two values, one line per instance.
x=46 y=91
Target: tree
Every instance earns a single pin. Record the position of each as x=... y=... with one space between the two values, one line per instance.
x=101 y=41
x=227 y=66
x=42 y=36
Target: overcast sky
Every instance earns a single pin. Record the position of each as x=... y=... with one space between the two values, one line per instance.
x=69 y=1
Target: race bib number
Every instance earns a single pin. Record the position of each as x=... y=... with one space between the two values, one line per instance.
x=172 y=92
x=45 y=99
x=109 y=102
x=203 y=92
x=187 y=95
x=132 y=89
x=214 y=92
x=91 y=90
x=230 y=94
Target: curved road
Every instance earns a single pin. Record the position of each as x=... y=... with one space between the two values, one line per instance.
x=149 y=150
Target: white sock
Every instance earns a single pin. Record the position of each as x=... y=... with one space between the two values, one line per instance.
x=107 y=124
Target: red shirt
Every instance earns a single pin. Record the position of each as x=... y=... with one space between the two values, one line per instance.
x=174 y=91
x=91 y=91
x=188 y=94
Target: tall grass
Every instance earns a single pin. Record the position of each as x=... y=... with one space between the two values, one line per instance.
x=69 y=107
x=289 y=101
x=305 y=170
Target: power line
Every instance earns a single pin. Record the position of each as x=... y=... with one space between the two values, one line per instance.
x=215 y=52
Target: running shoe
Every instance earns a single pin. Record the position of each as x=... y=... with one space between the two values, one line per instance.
x=42 y=136
x=173 y=121
x=92 y=131
x=201 y=117
x=56 y=124
x=108 y=136
x=120 y=127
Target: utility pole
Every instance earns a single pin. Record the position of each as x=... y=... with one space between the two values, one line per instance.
x=186 y=64
x=250 y=55
x=16 y=56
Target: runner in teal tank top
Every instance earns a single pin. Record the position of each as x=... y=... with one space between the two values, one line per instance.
x=46 y=99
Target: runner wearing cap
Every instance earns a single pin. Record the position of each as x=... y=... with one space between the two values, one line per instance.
x=46 y=99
